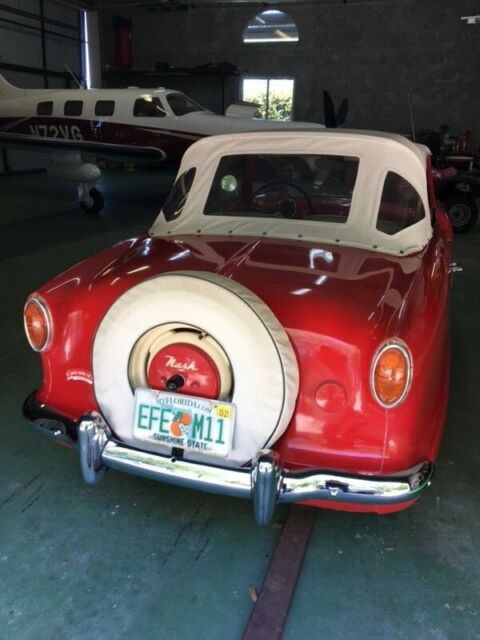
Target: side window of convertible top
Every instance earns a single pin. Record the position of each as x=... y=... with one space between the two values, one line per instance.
x=148 y=108
x=178 y=195
x=401 y=205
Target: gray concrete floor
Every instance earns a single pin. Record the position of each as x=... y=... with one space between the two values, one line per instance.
x=133 y=559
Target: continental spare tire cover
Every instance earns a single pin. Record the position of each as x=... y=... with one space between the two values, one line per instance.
x=243 y=332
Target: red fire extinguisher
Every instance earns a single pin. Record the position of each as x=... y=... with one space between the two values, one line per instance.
x=122 y=28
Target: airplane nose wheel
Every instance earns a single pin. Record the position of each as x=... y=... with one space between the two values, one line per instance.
x=91 y=200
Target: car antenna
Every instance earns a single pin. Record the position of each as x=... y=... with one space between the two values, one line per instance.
x=412 y=121
x=76 y=80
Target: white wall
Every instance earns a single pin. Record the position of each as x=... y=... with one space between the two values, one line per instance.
x=375 y=52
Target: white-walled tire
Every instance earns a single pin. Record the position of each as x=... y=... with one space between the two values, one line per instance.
x=263 y=363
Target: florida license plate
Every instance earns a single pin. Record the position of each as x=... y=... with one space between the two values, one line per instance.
x=187 y=422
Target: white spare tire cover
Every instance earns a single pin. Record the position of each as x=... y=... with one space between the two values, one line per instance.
x=265 y=370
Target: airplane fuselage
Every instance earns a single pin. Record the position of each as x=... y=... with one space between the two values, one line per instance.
x=160 y=119
x=78 y=126
x=164 y=132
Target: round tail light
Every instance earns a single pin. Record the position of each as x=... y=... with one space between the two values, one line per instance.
x=391 y=374
x=38 y=325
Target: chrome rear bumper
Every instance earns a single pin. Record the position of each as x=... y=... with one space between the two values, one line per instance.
x=265 y=482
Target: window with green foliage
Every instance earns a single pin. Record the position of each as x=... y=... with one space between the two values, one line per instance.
x=273 y=95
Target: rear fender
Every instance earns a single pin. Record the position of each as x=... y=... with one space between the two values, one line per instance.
x=415 y=426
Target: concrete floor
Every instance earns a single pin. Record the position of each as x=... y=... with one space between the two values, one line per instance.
x=133 y=559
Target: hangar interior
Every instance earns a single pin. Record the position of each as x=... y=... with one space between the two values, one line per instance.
x=133 y=558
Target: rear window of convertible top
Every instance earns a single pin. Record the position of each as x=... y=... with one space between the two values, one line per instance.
x=312 y=187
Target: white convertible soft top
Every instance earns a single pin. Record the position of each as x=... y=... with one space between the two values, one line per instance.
x=378 y=154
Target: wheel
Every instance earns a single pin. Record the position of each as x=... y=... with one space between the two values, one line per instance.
x=95 y=202
x=202 y=335
x=463 y=212
x=286 y=211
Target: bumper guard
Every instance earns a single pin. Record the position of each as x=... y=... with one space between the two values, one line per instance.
x=266 y=482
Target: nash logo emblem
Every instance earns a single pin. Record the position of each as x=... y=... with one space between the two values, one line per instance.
x=172 y=362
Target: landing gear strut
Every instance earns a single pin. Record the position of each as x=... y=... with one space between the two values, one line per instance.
x=91 y=199
x=69 y=166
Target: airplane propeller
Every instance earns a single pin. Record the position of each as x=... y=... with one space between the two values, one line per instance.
x=342 y=113
x=334 y=119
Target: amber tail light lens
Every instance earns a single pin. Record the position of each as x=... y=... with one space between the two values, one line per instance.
x=391 y=374
x=38 y=326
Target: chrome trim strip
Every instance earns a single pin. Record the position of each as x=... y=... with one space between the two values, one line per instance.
x=360 y=490
x=230 y=482
x=288 y=486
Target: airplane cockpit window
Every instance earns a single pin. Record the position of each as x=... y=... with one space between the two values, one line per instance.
x=400 y=207
x=73 y=108
x=148 y=107
x=45 y=108
x=104 y=107
x=178 y=195
x=180 y=104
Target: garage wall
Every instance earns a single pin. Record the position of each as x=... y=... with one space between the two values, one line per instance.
x=27 y=62
x=373 y=52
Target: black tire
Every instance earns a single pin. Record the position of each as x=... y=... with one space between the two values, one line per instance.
x=97 y=202
x=463 y=212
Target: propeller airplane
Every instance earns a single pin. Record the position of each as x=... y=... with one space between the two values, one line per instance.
x=79 y=127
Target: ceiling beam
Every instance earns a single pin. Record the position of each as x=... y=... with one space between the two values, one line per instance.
x=186 y=4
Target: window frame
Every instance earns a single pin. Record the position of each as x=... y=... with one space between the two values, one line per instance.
x=105 y=115
x=173 y=94
x=45 y=102
x=353 y=162
x=271 y=40
x=76 y=113
x=155 y=99
x=267 y=104
x=188 y=177
x=426 y=210
x=432 y=198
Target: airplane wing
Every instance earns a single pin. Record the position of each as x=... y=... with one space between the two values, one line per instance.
x=99 y=149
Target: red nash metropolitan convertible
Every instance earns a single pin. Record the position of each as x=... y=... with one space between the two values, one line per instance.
x=280 y=334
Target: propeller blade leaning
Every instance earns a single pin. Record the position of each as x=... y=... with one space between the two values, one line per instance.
x=329 y=111
x=342 y=113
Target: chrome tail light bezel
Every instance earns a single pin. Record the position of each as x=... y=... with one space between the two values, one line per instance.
x=394 y=343
x=42 y=305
